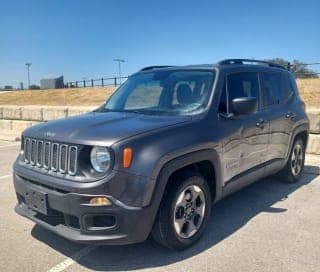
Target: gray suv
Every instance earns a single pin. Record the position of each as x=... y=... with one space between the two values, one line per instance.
x=169 y=143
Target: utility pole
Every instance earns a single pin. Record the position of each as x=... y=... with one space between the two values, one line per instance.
x=119 y=66
x=28 y=64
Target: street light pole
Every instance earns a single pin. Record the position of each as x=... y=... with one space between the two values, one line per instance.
x=119 y=67
x=28 y=64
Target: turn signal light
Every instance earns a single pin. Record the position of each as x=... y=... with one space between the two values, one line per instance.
x=127 y=157
x=100 y=201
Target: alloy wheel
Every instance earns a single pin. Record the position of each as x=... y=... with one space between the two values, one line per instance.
x=297 y=160
x=189 y=211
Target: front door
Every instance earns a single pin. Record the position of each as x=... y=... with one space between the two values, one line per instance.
x=244 y=147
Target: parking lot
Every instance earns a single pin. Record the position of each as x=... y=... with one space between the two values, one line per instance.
x=269 y=226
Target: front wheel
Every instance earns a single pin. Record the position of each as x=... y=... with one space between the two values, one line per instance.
x=294 y=167
x=183 y=213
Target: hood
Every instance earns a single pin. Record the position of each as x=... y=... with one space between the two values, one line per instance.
x=101 y=128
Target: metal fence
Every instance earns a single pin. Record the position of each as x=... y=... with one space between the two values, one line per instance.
x=116 y=81
x=100 y=82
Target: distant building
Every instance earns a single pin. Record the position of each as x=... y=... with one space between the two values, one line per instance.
x=52 y=83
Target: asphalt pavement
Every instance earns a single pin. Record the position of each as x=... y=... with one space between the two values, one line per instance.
x=268 y=226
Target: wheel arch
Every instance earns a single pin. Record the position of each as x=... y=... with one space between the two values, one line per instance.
x=206 y=162
x=300 y=131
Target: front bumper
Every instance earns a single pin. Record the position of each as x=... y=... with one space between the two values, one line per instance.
x=70 y=215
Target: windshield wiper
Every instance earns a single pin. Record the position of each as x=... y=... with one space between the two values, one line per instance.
x=136 y=111
x=151 y=112
x=103 y=109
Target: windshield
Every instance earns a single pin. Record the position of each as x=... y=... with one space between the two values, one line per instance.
x=163 y=92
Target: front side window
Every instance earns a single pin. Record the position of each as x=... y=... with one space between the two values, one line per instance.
x=238 y=85
x=163 y=92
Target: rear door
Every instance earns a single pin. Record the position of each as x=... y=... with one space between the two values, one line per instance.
x=245 y=144
x=276 y=92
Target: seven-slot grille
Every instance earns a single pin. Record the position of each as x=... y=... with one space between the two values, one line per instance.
x=52 y=156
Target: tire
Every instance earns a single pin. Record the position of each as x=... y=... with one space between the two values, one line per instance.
x=293 y=169
x=186 y=206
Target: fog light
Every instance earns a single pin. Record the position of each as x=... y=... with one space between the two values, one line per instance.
x=100 y=201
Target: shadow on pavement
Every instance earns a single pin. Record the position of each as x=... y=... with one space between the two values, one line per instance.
x=228 y=216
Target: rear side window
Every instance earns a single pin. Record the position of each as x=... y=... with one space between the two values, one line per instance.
x=287 y=88
x=271 y=88
x=276 y=88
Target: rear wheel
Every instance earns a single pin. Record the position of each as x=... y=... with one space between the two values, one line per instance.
x=294 y=167
x=183 y=213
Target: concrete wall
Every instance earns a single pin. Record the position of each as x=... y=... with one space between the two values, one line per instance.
x=17 y=118
x=314 y=116
x=314 y=138
x=40 y=113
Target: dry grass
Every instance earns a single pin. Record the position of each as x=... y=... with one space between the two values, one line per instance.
x=61 y=97
x=309 y=91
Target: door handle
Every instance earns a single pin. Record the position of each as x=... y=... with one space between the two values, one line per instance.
x=261 y=123
x=290 y=115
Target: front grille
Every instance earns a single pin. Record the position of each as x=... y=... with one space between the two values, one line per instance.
x=52 y=156
x=46 y=155
x=40 y=153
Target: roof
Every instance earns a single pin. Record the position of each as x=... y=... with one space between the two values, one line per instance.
x=228 y=64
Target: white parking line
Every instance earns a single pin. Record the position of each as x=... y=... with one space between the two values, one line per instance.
x=72 y=259
x=7 y=176
x=3 y=146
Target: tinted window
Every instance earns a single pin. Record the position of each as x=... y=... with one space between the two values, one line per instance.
x=271 y=88
x=287 y=89
x=244 y=84
x=275 y=88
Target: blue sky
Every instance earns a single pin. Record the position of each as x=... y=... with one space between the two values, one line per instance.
x=81 y=38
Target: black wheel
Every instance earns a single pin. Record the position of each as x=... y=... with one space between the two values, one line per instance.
x=183 y=213
x=294 y=167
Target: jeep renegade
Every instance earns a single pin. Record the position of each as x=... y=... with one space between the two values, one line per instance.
x=169 y=143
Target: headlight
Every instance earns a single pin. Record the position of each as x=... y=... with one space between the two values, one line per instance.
x=100 y=159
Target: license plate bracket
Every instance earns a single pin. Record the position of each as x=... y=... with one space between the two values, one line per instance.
x=37 y=201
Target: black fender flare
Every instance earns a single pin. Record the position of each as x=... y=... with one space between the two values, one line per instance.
x=176 y=163
x=298 y=129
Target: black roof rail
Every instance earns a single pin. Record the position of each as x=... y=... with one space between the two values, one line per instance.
x=241 y=61
x=155 y=67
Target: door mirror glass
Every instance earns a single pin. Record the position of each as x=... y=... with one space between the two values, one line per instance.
x=244 y=105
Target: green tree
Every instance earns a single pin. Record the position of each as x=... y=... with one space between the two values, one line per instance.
x=298 y=68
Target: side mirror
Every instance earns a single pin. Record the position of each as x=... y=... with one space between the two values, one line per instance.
x=244 y=105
